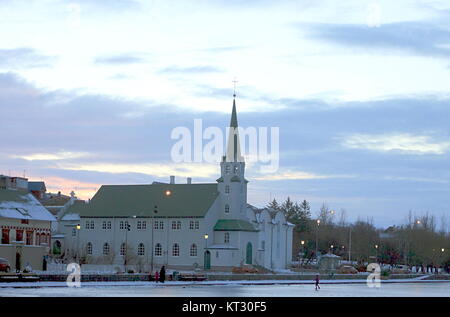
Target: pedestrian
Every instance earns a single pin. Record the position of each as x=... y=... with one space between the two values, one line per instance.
x=156 y=276
x=317 y=279
x=162 y=274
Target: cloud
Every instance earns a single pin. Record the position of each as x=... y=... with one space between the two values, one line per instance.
x=23 y=57
x=200 y=170
x=51 y=156
x=297 y=175
x=403 y=143
x=123 y=59
x=200 y=69
x=418 y=38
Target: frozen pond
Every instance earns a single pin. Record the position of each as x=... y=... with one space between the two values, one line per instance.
x=330 y=290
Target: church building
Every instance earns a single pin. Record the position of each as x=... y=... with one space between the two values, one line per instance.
x=180 y=225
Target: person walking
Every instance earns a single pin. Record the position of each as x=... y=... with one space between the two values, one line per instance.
x=162 y=274
x=317 y=279
x=156 y=276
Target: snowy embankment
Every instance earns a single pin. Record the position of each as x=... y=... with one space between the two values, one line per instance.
x=205 y=283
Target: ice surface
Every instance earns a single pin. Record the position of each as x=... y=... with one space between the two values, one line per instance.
x=226 y=288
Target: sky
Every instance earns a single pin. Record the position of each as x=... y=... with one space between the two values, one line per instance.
x=90 y=92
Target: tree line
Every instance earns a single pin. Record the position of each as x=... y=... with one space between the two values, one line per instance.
x=416 y=242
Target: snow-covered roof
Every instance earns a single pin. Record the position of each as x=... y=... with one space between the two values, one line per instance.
x=21 y=205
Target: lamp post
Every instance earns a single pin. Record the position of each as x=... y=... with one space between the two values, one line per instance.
x=78 y=227
x=317 y=238
x=302 y=252
x=206 y=259
x=376 y=253
x=206 y=241
x=331 y=249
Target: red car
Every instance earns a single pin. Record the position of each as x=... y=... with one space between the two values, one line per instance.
x=4 y=265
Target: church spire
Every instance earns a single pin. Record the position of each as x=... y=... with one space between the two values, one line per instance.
x=234 y=146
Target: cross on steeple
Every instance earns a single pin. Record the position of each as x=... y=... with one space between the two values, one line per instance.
x=234 y=90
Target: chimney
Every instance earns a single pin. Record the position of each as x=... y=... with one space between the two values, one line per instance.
x=172 y=179
x=189 y=180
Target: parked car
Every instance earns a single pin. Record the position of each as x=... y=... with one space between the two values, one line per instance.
x=347 y=269
x=401 y=269
x=4 y=265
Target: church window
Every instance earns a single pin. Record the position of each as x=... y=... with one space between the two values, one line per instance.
x=193 y=250
x=175 y=249
x=227 y=208
x=158 y=249
x=89 y=248
x=176 y=225
x=123 y=249
x=141 y=249
x=158 y=225
x=226 y=238
x=194 y=225
x=106 y=249
x=227 y=189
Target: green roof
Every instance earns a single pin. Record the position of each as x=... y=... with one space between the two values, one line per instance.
x=184 y=200
x=233 y=225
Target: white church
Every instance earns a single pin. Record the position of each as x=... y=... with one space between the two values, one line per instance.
x=186 y=226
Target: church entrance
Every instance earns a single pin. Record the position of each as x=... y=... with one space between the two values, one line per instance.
x=249 y=253
x=207 y=262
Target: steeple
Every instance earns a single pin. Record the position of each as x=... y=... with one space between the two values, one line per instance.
x=234 y=146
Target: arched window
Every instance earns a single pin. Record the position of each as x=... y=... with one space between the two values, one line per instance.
x=158 y=249
x=89 y=248
x=38 y=239
x=141 y=249
x=193 y=250
x=175 y=249
x=227 y=208
x=123 y=249
x=226 y=237
x=106 y=249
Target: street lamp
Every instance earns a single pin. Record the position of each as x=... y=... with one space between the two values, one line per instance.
x=317 y=238
x=376 y=254
x=206 y=240
x=78 y=227
x=302 y=252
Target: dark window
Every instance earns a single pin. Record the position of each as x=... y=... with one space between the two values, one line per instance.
x=29 y=237
x=5 y=236
x=19 y=235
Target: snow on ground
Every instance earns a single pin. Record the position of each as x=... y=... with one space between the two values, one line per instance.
x=232 y=289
